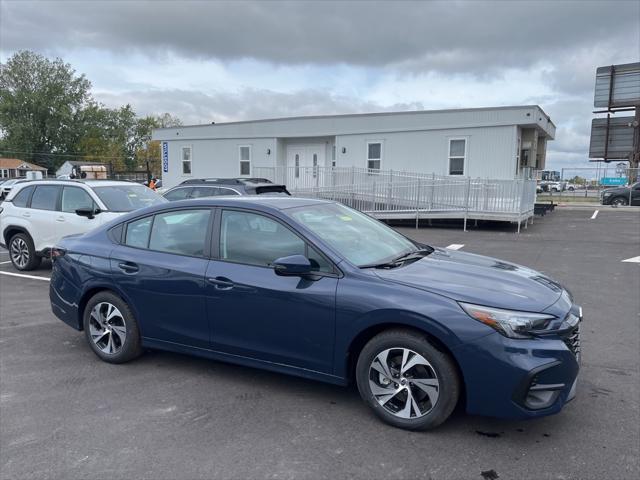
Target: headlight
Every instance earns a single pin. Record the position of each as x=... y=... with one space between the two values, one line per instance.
x=510 y=323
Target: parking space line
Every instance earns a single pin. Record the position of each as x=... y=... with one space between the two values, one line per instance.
x=8 y=261
x=455 y=246
x=595 y=214
x=632 y=260
x=22 y=275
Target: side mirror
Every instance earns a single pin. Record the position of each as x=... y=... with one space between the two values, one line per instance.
x=87 y=212
x=294 y=265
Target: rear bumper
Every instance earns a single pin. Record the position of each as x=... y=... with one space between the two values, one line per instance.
x=517 y=379
x=63 y=297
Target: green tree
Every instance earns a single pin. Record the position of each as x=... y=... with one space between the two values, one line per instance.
x=41 y=107
x=149 y=150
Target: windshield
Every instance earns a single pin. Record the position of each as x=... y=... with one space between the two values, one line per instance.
x=125 y=198
x=355 y=236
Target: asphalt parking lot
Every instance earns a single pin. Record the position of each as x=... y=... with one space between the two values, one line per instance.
x=65 y=414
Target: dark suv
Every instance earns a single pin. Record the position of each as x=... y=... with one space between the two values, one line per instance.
x=621 y=195
x=212 y=187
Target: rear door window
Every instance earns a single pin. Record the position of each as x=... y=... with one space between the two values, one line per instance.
x=21 y=199
x=227 y=191
x=178 y=194
x=200 y=192
x=45 y=197
x=183 y=232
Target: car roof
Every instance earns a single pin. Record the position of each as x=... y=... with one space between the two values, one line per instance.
x=253 y=181
x=256 y=202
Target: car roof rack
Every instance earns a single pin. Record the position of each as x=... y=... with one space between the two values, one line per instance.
x=225 y=181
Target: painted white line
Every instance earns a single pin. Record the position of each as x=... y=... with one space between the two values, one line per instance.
x=632 y=260
x=22 y=275
x=8 y=261
x=455 y=246
x=595 y=214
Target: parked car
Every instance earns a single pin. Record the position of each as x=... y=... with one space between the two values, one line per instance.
x=315 y=289
x=629 y=195
x=210 y=187
x=6 y=187
x=539 y=189
x=39 y=213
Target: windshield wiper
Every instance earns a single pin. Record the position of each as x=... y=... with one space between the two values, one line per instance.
x=401 y=259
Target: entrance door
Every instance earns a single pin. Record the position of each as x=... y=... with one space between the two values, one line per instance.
x=305 y=164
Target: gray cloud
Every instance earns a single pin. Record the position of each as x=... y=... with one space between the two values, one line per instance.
x=446 y=36
x=248 y=104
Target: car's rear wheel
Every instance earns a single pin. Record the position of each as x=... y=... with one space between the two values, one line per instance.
x=111 y=328
x=23 y=253
x=407 y=381
x=619 y=201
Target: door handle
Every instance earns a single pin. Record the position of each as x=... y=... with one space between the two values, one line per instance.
x=128 y=267
x=26 y=215
x=221 y=283
x=60 y=219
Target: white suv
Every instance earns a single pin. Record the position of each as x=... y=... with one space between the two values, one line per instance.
x=37 y=214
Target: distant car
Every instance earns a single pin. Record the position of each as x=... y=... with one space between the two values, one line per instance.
x=6 y=187
x=39 y=213
x=556 y=186
x=621 y=195
x=539 y=189
x=213 y=187
x=571 y=187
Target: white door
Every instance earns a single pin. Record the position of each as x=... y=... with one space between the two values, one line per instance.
x=305 y=164
x=41 y=216
x=68 y=221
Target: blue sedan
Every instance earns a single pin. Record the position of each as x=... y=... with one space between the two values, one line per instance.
x=315 y=289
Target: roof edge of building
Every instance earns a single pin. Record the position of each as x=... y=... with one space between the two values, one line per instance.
x=369 y=114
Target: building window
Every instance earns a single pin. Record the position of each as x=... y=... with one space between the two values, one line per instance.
x=245 y=160
x=333 y=156
x=315 y=165
x=374 y=155
x=457 y=155
x=297 y=167
x=186 y=160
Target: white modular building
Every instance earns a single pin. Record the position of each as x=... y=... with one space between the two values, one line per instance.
x=503 y=143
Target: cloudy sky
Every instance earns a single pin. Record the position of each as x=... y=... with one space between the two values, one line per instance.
x=232 y=60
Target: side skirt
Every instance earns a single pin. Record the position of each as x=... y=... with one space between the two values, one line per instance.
x=245 y=361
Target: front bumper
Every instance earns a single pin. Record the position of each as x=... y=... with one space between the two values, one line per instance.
x=519 y=379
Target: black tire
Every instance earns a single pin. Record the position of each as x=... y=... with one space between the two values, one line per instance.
x=23 y=253
x=443 y=366
x=131 y=348
x=621 y=201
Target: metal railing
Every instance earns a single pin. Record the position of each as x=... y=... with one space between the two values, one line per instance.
x=392 y=194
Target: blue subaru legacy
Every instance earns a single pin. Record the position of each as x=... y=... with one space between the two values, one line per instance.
x=316 y=289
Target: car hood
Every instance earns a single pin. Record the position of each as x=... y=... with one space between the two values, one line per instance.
x=615 y=190
x=477 y=279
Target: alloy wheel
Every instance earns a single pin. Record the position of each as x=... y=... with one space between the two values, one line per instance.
x=619 y=201
x=19 y=252
x=107 y=328
x=404 y=383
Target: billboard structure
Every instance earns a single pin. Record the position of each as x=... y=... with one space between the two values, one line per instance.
x=617 y=90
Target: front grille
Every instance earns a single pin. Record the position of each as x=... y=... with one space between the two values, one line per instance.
x=572 y=341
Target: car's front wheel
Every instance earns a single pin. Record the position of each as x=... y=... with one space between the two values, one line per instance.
x=111 y=328
x=620 y=201
x=23 y=253
x=407 y=381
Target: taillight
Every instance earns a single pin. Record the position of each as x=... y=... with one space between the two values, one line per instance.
x=57 y=253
